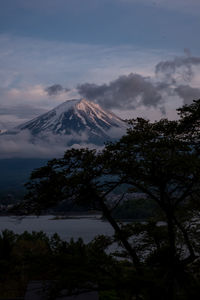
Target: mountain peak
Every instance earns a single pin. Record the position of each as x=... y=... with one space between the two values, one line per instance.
x=65 y=106
x=73 y=118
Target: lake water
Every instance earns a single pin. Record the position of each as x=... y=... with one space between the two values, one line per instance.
x=86 y=227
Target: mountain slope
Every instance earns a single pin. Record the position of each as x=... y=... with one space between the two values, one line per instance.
x=73 y=123
x=76 y=118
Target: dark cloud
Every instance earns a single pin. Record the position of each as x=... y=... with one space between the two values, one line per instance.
x=180 y=66
x=133 y=90
x=128 y=91
x=187 y=93
x=56 y=89
x=174 y=73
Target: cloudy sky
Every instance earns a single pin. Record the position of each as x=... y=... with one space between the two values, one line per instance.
x=135 y=57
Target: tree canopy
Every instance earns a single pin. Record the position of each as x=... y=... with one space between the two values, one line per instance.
x=158 y=160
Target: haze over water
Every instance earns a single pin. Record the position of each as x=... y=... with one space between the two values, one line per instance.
x=85 y=227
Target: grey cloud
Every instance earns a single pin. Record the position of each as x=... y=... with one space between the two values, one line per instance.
x=187 y=93
x=128 y=91
x=133 y=90
x=24 y=144
x=56 y=89
x=181 y=65
x=173 y=74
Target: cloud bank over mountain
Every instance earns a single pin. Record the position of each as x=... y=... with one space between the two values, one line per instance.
x=171 y=78
x=126 y=92
x=22 y=145
x=36 y=75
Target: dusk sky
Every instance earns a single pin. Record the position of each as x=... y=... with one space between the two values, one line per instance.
x=134 y=57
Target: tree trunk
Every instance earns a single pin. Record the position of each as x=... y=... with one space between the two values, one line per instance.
x=172 y=257
x=121 y=236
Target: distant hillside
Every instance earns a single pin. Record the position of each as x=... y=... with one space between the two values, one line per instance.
x=14 y=173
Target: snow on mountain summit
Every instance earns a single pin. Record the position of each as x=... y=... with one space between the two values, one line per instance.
x=75 y=117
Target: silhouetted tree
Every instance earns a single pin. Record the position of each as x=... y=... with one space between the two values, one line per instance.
x=156 y=159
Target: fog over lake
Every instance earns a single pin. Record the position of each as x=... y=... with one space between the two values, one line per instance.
x=86 y=227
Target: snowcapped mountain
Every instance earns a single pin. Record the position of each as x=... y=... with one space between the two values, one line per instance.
x=75 y=123
x=77 y=118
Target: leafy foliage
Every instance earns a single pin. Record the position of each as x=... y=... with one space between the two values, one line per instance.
x=159 y=160
x=70 y=265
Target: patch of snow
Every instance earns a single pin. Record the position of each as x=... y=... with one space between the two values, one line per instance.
x=95 y=111
x=80 y=117
x=63 y=107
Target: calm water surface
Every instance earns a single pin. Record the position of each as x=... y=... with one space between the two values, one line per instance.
x=86 y=227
